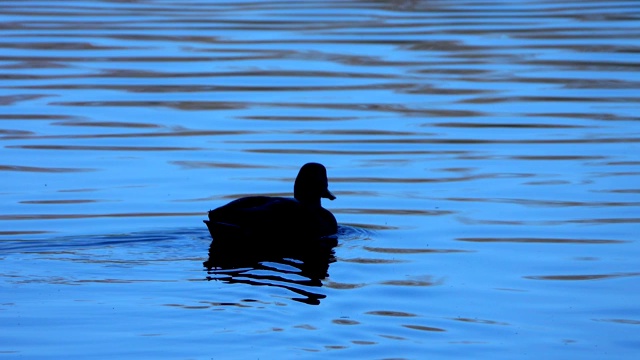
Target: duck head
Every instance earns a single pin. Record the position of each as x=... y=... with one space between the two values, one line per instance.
x=311 y=184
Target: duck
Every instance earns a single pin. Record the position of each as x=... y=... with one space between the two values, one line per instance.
x=260 y=223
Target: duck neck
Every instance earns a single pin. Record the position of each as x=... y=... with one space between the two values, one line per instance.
x=309 y=202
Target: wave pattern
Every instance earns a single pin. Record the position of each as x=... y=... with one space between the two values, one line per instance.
x=484 y=156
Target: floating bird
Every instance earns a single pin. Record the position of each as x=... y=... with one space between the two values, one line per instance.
x=257 y=224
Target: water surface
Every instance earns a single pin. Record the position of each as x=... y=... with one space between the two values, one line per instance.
x=484 y=156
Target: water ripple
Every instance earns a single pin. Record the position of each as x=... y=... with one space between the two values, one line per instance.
x=502 y=132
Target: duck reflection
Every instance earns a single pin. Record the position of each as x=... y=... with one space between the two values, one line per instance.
x=298 y=270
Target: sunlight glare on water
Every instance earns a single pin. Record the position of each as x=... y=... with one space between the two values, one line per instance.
x=484 y=156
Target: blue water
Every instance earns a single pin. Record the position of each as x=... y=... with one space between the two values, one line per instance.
x=484 y=156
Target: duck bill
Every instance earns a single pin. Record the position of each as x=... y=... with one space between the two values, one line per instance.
x=328 y=195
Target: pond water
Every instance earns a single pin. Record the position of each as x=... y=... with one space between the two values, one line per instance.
x=484 y=155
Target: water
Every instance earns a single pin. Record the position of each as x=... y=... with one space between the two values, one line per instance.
x=484 y=156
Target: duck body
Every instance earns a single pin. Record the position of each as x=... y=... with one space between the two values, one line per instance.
x=264 y=223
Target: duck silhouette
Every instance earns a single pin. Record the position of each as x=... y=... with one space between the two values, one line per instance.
x=260 y=225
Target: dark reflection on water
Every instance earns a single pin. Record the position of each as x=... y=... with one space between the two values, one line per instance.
x=544 y=240
x=301 y=270
x=582 y=277
x=102 y=148
x=298 y=275
x=40 y=169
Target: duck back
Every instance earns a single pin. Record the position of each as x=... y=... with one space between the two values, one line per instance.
x=269 y=219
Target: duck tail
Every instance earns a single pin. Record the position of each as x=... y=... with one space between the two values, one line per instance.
x=221 y=230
